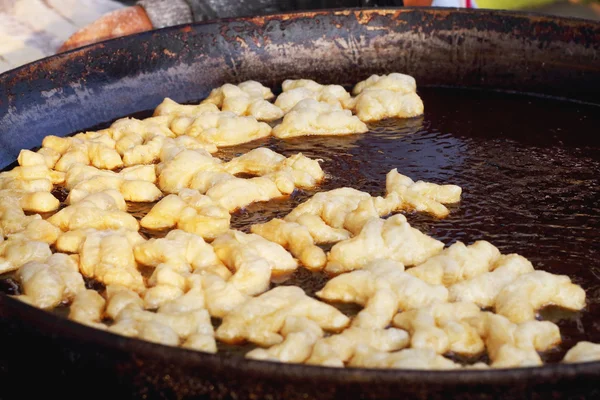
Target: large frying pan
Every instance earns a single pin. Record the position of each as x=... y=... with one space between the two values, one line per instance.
x=44 y=354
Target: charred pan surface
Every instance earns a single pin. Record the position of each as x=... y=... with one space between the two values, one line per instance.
x=102 y=82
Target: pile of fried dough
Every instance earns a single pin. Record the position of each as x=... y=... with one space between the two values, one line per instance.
x=421 y=302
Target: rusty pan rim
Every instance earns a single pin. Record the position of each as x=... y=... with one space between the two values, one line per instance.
x=64 y=328
x=366 y=13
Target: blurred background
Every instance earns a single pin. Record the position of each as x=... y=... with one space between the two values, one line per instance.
x=32 y=29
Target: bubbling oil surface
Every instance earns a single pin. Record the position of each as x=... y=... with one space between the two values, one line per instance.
x=529 y=169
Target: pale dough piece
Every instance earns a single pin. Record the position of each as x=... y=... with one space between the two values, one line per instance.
x=335 y=350
x=31 y=201
x=259 y=161
x=193 y=299
x=583 y=352
x=344 y=208
x=231 y=247
x=201 y=342
x=234 y=193
x=483 y=289
x=383 y=288
x=179 y=166
x=174 y=291
x=190 y=211
x=141 y=141
x=15 y=224
x=103 y=210
x=310 y=117
x=182 y=251
x=135 y=183
x=294 y=91
x=457 y=263
x=120 y=297
x=392 y=239
x=221 y=296
x=89 y=148
x=36 y=229
x=31 y=178
x=296 y=238
x=247 y=98
x=260 y=319
x=222 y=128
x=171 y=325
x=305 y=172
x=320 y=231
x=170 y=108
x=300 y=335
x=422 y=196
x=441 y=328
x=107 y=256
x=395 y=82
x=250 y=88
x=44 y=156
x=515 y=345
x=520 y=299
x=425 y=359
x=378 y=104
x=87 y=307
x=184 y=324
x=150 y=330
x=49 y=282
x=16 y=252
x=254 y=260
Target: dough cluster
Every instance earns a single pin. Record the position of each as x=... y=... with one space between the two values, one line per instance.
x=196 y=281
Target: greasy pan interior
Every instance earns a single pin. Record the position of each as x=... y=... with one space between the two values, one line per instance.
x=470 y=49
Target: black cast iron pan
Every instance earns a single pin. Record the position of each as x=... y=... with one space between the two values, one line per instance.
x=43 y=354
